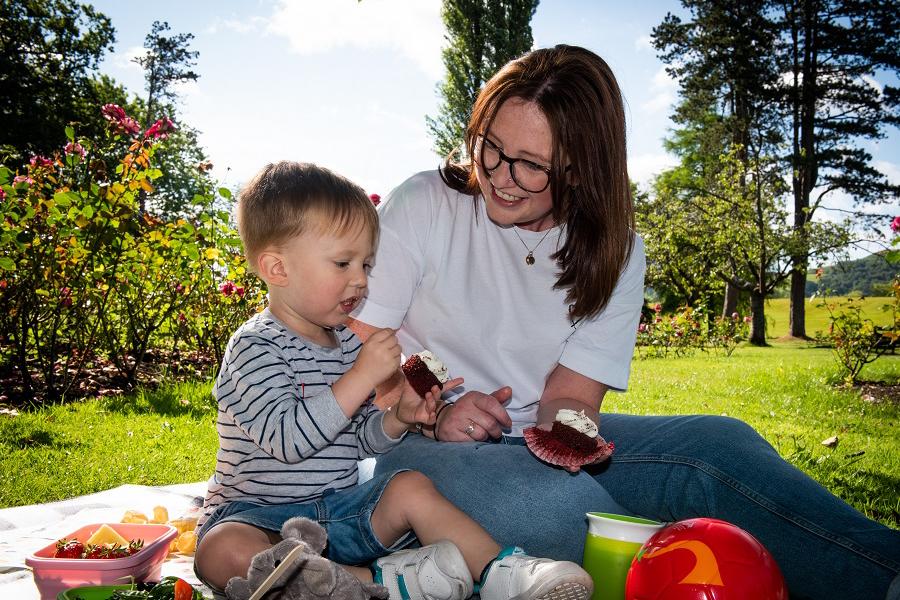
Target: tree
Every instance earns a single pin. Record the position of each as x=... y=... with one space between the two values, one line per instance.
x=168 y=61
x=679 y=269
x=482 y=36
x=832 y=52
x=48 y=49
x=722 y=60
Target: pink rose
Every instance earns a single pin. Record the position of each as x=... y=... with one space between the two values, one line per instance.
x=74 y=148
x=895 y=224
x=239 y=290
x=657 y=308
x=113 y=112
x=735 y=316
x=38 y=162
x=747 y=319
x=23 y=179
x=160 y=129
x=642 y=328
x=376 y=200
x=2 y=194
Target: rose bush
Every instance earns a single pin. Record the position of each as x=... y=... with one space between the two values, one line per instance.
x=84 y=273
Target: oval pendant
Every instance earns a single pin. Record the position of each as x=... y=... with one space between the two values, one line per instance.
x=529 y=260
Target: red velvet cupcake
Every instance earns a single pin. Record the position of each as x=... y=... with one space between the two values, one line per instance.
x=573 y=441
x=424 y=371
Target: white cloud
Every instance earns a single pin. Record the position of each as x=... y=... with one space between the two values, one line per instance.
x=413 y=27
x=891 y=170
x=664 y=90
x=642 y=168
x=125 y=60
x=644 y=42
x=252 y=24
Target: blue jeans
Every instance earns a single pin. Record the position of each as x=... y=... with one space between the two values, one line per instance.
x=346 y=516
x=668 y=469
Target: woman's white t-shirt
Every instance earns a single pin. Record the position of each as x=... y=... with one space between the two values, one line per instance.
x=452 y=281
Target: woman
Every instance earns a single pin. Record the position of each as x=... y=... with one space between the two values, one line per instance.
x=521 y=271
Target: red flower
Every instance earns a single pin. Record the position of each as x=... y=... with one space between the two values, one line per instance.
x=642 y=327
x=227 y=288
x=376 y=200
x=74 y=148
x=23 y=179
x=895 y=224
x=160 y=129
x=38 y=162
x=239 y=291
x=65 y=297
x=657 y=308
x=747 y=319
x=2 y=194
x=113 y=112
x=119 y=122
x=181 y=318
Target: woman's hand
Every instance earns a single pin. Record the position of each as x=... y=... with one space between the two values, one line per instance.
x=475 y=416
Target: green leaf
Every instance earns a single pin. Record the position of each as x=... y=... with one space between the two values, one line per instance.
x=7 y=264
x=70 y=133
x=88 y=211
x=225 y=193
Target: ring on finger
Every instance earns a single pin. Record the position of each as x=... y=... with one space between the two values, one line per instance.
x=471 y=428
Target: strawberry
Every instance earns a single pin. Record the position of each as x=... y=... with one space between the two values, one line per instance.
x=94 y=552
x=68 y=549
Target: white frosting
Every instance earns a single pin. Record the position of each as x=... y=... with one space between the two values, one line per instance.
x=436 y=367
x=577 y=420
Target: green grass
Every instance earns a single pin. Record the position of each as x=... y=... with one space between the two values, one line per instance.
x=785 y=391
x=817 y=318
x=151 y=438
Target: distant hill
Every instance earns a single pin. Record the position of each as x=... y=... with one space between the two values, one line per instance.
x=870 y=276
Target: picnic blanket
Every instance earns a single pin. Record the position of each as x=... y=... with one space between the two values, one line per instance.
x=25 y=529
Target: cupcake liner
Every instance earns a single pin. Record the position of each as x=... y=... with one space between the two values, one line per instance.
x=546 y=447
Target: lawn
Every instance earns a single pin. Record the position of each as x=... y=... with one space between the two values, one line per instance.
x=785 y=391
x=817 y=318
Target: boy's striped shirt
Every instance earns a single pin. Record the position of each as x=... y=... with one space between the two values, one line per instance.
x=282 y=436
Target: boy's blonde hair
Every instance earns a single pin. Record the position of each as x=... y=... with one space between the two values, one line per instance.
x=288 y=198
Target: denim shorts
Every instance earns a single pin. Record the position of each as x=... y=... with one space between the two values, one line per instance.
x=345 y=514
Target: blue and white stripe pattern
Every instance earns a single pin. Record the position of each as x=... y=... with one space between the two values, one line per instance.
x=282 y=436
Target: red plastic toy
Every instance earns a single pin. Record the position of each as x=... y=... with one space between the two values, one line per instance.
x=704 y=559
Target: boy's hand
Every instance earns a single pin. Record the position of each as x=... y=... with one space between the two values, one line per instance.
x=412 y=408
x=379 y=357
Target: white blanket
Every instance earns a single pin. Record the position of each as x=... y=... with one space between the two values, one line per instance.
x=26 y=529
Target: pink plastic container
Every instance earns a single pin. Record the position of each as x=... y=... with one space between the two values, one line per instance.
x=53 y=575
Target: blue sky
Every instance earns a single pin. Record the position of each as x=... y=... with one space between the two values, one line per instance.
x=348 y=84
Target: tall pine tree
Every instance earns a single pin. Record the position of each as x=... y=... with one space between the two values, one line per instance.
x=831 y=52
x=482 y=36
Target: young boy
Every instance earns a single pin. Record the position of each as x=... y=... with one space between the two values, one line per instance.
x=295 y=394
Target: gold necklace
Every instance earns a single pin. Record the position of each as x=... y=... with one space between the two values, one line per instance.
x=529 y=258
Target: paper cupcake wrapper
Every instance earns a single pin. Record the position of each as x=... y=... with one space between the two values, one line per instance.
x=546 y=447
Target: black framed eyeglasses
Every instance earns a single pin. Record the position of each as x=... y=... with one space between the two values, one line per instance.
x=527 y=174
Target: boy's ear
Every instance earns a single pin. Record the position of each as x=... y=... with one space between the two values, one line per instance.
x=270 y=267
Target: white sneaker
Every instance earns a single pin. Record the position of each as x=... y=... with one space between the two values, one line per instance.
x=435 y=572
x=522 y=577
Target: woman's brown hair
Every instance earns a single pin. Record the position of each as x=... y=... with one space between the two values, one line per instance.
x=579 y=96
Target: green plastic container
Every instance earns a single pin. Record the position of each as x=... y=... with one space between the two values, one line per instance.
x=91 y=592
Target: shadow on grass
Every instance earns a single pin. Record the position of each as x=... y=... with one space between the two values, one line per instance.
x=171 y=401
x=22 y=436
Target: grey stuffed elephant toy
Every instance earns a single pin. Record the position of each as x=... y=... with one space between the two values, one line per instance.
x=309 y=576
